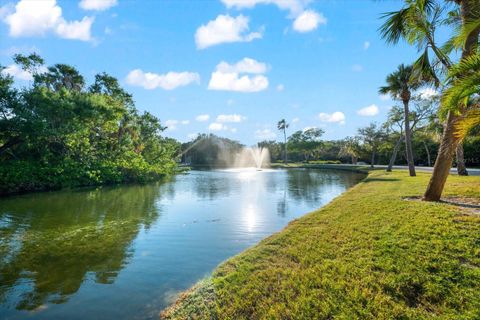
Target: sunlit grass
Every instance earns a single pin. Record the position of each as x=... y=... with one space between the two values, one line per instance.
x=368 y=254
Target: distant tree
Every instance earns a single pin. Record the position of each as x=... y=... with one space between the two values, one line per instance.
x=372 y=136
x=306 y=142
x=282 y=125
x=350 y=147
x=400 y=85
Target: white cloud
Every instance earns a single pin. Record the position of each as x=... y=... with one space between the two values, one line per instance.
x=337 y=116
x=370 y=111
x=36 y=18
x=305 y=20
x=215 y=126
x=294 y=6
x=168 y=81
x=308 y=21
x=17 y=72
x=202 y=117
x=224 y=29
x=98 y=5
x=427 y=93
x=230 y=118
x=357 y=68
x=280 y=87
x=366 y=45
x=228 y=77
x=265 y=134
x=75 y=30
x=246 y=65
x=295 y=120
x=230 y=102
x=171 y=124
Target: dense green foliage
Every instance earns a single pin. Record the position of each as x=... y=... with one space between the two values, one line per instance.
x=60 y=133
x=370 y=254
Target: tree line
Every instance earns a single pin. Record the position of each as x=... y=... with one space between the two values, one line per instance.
x=58 y=132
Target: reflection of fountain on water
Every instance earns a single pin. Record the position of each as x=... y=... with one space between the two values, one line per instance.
x=254 y=157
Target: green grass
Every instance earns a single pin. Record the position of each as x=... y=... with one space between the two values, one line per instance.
x=369 y=254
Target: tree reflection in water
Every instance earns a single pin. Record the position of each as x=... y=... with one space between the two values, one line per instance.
x=53 y=242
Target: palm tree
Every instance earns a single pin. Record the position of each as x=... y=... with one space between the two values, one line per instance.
x=417 y=23
x=400 y=85
x=283 y=125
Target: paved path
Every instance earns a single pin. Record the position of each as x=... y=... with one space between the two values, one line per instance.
x=471 y=171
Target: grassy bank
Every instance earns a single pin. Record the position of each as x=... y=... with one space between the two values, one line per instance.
x=369 y=254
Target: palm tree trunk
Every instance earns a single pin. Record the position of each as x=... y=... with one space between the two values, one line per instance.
x=461 y=168
x=285 y=146
x=449 y=142
x=372 y=161
x=394 y=153
x=429 y=161
x=444 y=160
x=408 y=140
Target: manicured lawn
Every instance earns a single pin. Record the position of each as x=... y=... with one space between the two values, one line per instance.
x=369 y=254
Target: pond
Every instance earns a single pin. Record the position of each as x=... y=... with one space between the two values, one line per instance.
x=125 y=252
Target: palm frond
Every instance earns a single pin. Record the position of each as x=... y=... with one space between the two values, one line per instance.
x=470 y=120
x=394 y=27
x=424 y=71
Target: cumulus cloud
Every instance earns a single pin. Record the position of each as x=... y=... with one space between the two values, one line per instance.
x=223 y=118
x=173 y=124
x=246 y=65
x=215 y=126
x=229 y=77
x=37 y=18
x=295 y=120
x=304 y=20
x=17 y=72
x=280 y=87
x=265 y=134
x=224 y=29
x=336 y=117
x=366 y=45
x=97 y=5
x=202 y=117
x=294 y=6
x=169 y=81
x=370 y=111
x=308 y=20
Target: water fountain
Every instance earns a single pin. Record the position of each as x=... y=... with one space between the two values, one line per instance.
x=253 y=157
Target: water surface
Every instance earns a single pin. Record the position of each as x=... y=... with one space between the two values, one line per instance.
x=125 y=252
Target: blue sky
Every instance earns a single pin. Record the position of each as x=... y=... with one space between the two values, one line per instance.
x=244 y=63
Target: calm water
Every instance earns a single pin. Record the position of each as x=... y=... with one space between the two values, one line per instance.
x=125 y=252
